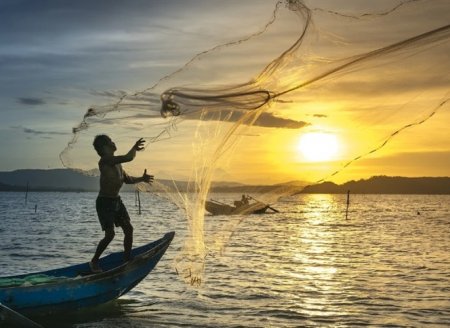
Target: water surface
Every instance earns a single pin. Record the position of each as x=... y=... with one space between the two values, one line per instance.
x=387 y=264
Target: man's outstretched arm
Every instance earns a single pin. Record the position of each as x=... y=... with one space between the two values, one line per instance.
x=144 y=178
x=128 y=157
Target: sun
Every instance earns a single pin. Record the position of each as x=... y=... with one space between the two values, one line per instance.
x=318 y=146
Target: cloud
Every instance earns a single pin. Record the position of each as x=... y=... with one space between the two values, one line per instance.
x=45 y=134
x=266 y=120
x=270 y=121
x=115 y=94
x=31 y=101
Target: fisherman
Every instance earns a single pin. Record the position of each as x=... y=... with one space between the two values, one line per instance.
x=243 y=202
x=110 y=208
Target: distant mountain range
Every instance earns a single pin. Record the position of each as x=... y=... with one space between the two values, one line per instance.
x=41 y=180
x=69 y=180
x=385 y=185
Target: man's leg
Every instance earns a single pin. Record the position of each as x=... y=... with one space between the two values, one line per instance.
x=109 y=236
x=127 y=240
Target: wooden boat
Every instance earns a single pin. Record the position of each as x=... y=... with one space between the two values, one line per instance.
x=218 y=208
x=75 y=287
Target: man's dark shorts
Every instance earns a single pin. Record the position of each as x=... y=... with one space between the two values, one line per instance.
x=111 y=211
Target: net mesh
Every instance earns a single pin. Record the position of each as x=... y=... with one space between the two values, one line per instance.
x=363 y=74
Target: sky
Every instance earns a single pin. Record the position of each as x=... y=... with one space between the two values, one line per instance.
x=58 y=58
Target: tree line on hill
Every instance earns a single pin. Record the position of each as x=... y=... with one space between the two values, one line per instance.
x=70 y=180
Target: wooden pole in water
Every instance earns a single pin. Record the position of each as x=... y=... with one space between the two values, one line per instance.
x=348 y=203
x=26 y=194
x=139 y=200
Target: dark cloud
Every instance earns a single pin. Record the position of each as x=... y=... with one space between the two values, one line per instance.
x=270 y=121
x=44 y=134
x=107 y=93
x=81 y=42
x=266 y=120
x=31 y=101
x=30 y=22
x=37 y=132
x=27 y=15
x=320 y=115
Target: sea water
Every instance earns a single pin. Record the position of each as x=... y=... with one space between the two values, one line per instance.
x=387 y=264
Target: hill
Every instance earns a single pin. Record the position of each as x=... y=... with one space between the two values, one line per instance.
x=55 y=179
x=385 y=185
x=69 y=180
x=6 y=187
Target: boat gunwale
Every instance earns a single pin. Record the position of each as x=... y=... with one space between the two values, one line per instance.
x=249 y=209
x=161 y=246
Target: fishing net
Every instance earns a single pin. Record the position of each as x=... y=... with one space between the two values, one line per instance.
x=30 y=280
x=370 y=74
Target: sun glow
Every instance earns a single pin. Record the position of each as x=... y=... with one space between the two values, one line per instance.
x=318 y=146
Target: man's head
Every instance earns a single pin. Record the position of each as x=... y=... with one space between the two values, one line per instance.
x=104 y=145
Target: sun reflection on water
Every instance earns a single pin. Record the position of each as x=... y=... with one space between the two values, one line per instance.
x=318 y=268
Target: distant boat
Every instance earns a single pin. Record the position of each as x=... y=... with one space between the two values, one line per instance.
x=75 y=287
x=218 y=208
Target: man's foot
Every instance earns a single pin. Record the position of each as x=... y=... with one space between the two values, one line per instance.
x=127 y=260
x=95 y=268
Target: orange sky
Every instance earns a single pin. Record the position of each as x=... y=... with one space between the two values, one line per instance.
x=49 y=89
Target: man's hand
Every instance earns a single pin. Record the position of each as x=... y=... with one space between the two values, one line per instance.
x=147 y=178
x=139 y=145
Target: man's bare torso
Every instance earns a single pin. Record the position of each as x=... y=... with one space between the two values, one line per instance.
x=111 y=179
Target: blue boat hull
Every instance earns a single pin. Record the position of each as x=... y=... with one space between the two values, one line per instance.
x=74 y=287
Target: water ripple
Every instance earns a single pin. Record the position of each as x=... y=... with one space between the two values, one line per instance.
x=306 y=266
